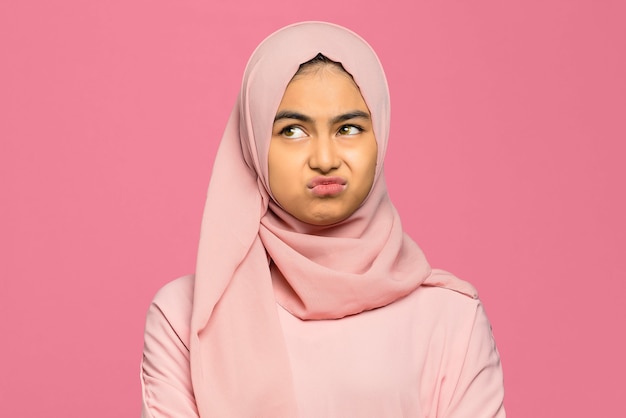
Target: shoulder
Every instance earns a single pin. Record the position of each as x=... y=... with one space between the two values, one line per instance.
x=171 y=308
x=165 y=367
x=175 y=292
x=463 y=348
x=443 y=292
x=446 y=280
x=446 y=306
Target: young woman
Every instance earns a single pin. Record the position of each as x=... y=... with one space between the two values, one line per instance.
x=308 y=298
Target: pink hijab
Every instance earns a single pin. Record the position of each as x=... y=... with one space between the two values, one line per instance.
x=239 y=361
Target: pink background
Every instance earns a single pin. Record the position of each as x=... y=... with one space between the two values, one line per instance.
x=506 y=162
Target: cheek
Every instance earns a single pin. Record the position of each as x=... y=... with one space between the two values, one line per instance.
x=363 y=164
x=274 y=171
x=367 y=160
x=282 y=170
x=373 y=155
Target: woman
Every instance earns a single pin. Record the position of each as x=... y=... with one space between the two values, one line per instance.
x=308 y=299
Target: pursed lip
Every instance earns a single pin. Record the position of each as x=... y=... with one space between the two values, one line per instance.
x=323 y=180
x=325 y=187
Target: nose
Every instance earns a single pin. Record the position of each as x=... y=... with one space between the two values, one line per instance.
x=324 y=154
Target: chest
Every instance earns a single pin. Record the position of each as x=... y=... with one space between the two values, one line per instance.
x=369 y=365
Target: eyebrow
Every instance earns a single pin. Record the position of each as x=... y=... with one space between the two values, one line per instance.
x=288 y=114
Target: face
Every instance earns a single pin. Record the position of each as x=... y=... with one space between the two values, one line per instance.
x=322 y=156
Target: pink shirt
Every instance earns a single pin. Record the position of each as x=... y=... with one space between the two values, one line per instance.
x=430 y=354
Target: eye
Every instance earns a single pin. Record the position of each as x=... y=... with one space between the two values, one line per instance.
x=293 y=132
x=349 y=130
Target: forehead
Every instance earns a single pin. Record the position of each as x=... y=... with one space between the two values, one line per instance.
x=323 y=91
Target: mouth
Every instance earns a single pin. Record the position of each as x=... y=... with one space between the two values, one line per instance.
x=327 y=186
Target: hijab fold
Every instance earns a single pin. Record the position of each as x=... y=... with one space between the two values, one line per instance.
x=239 y=360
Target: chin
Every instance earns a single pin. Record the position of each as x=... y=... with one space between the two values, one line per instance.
x=324 y=219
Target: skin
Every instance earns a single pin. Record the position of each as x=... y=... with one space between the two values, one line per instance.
x=323 y=129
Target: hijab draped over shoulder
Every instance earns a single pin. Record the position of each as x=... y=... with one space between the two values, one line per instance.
x=253 y=255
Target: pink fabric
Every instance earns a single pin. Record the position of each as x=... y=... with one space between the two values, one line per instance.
x=430 y=354
x=239 y=362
